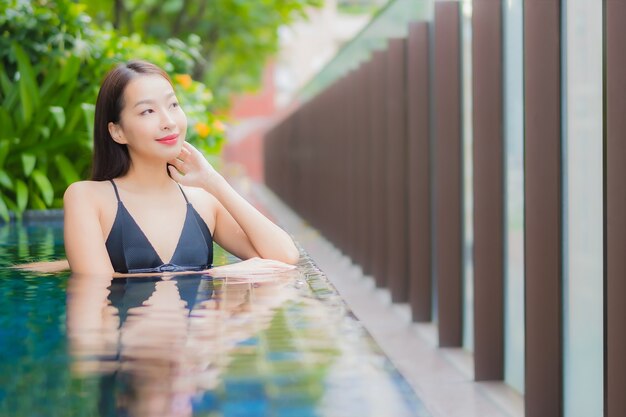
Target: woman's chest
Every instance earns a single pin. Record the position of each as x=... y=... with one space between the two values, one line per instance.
x=161 y=222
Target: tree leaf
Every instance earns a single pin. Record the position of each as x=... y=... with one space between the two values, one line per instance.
x=4 y=211
x=66 y=169
x=44 y=185
x=5 y=180
x=59 y=115
x=45 y=131
x=89 y=110
x=50 y=81
x=28 y=162
x=70 y=69
x=21 y=191
x=5 y=121
x=11 y=205
x=4 y=150
x=29 y=96
x=5 y=83
x=172 y=6
x=62 y=144
x=37 y=203
x=74 y=115
x=11 y=102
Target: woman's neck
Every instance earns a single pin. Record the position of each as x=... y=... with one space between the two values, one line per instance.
x=147 y=175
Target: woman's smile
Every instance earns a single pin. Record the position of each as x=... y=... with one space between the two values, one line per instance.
x=169 y=140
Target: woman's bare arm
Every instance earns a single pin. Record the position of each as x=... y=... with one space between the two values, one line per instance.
x=44 y=266
x=240 y=228
x=244 y=231
x=84 y=245
x=83 y=236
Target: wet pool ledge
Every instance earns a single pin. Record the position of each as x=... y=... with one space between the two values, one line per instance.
x=37 y=215
x=441 y=378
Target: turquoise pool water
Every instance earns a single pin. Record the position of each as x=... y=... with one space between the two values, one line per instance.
x=281 y=345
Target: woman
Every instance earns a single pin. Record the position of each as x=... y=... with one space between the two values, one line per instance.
x=154 y=203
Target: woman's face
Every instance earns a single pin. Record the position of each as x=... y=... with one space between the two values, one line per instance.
x=151 y=123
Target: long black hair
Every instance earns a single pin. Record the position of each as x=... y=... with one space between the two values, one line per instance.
x=111 y=159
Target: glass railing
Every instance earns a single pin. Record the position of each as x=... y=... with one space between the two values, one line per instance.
x=389 y=22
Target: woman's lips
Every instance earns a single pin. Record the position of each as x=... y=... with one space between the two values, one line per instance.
x=168 y=140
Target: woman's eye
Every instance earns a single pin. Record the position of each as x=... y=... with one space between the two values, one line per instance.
x=146 y=112
x=175 y=104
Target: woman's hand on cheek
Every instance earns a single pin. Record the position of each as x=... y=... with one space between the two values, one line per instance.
x=191 y=168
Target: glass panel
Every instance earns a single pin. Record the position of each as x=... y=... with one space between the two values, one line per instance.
x=514 y=193
x=468 y=189
x=390 y=21
x=583 y=209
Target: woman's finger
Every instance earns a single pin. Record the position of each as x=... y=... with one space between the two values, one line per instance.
x=178 y=164
x=252 y=266
x=176 y=176
x=184 y=153
x=192 y=149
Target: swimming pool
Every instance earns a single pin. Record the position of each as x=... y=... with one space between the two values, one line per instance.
x=281 y=345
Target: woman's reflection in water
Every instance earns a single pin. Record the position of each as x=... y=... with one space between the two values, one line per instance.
x=158 y=341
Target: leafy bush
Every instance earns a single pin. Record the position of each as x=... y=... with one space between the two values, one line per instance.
x=51 y=62
x=238 y=36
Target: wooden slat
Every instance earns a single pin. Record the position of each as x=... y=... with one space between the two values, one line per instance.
x=377 y=123
x=396 y=143
x=419 y=192
x=615 y=232
x=488 y=186
x=364 y=171
x=543 y=209
x=448 y=171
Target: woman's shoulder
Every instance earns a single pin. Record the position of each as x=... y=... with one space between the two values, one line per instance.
x=203 y=201
x=87 y=191
x=200 y=194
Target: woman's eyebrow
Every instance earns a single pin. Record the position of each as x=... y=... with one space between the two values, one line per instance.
x=150 y=101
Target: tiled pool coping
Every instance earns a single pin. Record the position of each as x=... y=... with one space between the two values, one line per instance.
x=38 y=215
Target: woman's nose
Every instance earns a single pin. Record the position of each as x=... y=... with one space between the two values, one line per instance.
x=167 y=121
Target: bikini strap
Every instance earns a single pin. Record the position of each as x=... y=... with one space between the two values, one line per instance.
x=116 y=193
x=184 y=195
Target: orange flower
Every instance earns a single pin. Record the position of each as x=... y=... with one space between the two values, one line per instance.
x=184 y=80
x=203 y=129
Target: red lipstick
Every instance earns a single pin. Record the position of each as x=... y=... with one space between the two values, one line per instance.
x=168 y=140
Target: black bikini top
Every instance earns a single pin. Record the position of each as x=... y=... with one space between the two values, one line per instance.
x=131 y=252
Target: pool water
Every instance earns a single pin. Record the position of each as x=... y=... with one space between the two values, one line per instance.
x=194 y=345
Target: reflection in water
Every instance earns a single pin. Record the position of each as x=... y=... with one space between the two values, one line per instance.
x=29 y=242
x=264 y=345
x=163 y=345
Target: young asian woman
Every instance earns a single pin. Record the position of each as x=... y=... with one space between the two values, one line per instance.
x=154 y=203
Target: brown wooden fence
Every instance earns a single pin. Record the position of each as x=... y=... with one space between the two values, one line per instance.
x=375 y=163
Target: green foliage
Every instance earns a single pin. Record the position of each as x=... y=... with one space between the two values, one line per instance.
x=52 y=58
x=236 y=36
x=51 y=62
x=205 y=129
x=45 y=30
x=43 y=116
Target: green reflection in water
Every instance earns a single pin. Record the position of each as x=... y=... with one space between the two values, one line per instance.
x=286 y=363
